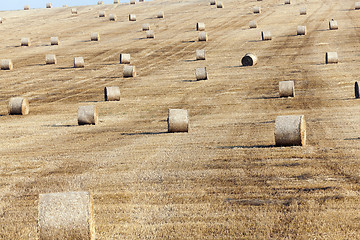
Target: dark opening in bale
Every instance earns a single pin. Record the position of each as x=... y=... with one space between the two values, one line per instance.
x=66 y=216
x=87 y=115
x=18 y=106
x=356 y=90
x=112 y=93
x=178 y=120
x=249 y=60
x=290 y=130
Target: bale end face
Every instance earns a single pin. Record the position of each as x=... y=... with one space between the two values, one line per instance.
x=331 y=57
x=50 y=59
x=112 y=93
x=286 y=89
x=79 y=62
x=87 y=115
x=132 y=17
x=67 y=215
x=201 y=73
x=125 y=58
x=290 y=130
x=129 y=71
x=18 y=106
x=200 y=54
x=249 y=60
x=178 y=120
x=6 y=64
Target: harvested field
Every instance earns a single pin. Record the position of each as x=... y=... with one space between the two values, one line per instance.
x=224 y=179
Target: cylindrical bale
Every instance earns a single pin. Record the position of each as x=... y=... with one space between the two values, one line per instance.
x=301 y=30
x=87 y=115
x=18 y=106
x=212 y=2
x=249 y=60
x=200 y=26
x=287 y=1
x=302 y=11
x=125 y=58
x=333 y=25
x=220 y=5
x=150 y=34
x=146 y=27
x=253 y=24
x=200 y=54
x=1 y=20
x=357 y=5
x=202 y=36
x=74 y=11
x=54 y=41
x=116 y=1
x=112 y=93
x=132 y=17
x=129 y=71
x=48 y=5
x=266 y=35
x=141 y=0
x=26 y=7
x=25 y=42
x=102 y=14
x=160 y=14
x=100 y=2
x=79 y=62
x=286 y=89
x=95 y=36
x=201 y=73
x=178 y=120
x=356 y=90
x=66 y=215
x=6 y=64
x=256 y=10
x=331 y=57
x=112 y=17
x=50 y=59
x=132 y=1
x=290 y=130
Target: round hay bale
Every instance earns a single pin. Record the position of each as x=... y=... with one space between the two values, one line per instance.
x=201 y=73
x=112 y=17
x=150 y=34
x=132 y=17
x=18 y=106
x=74 y=11
x=146 y=27
x=160 y=14
x=356 y=90
x=129 y=71
x=87 y=115
x=302 y=11
x=95 y=36
x=112 y=93
x=220 y=5
x=331 y=57
x=200 y=54
x=26 y=7
x=301 y=30
x=25 y=42
x=256 y=10
x=1 y=20
x=333 y=25
x=286 y=89
x=125 y=58
x=253 y=24
x=48 y=5
x=132 y=1
x=54 y=41
x=287 y=1
x=6 y=64
x=357 y=5
x=66 y=215
x=79 y=62
x=116 y=1
x=102 y=14
x=212 y=2
x=249 y=60
x=266 y=35
x=178 y=120
x=200 y=26
x=202 y=36
x=141 y=0
x=290 y=130
x=100 y=2
x=50 y=59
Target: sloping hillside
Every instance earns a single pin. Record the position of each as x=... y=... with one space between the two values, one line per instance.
x=224 y=179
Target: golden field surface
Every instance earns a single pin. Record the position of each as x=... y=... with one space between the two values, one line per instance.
x=224 y=179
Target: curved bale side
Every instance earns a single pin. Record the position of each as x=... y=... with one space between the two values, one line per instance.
x=287 y=2
x=290 y=130
x=301 y=30
x=357 y=5
x=201 y=73
x=150 y=34
x=331 y=57
x=287 y=89
x=200 y=54
x=48 y=5
x=102 y=14
x=160 y=14
x=95 y=36
x=202 y=37
x=7 y=64
x=116 y=1
x=50 y=59
x=146 y=27
x=129 y=71
x=212 y=2
x=256 y=10
x=219 y=5
x=249 y=60
x=74 y=11
x=200 y=26
x=333 y=25
x=112 y=17
x=252 y=24
x=18 y=106
x=356 y=90
x=87 y=115
x=266 y=36
x=125 y=58
x=302 y=11
x=112 y=93
x=54 y=41
x=132 y=1
x=25 y=42
x=26 y=7
x=178 y=120
x=66 y=215
x=79 y=62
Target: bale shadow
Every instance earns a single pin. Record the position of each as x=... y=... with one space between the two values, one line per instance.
x=259 y=202
x=347 y=139
x=256 y=41
x=143 y=133
x=191 y=41
x=265 y=97
x=64 y=68
x=247 y=147
x=61 y=125
x=192 y=80
x=191 y=60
